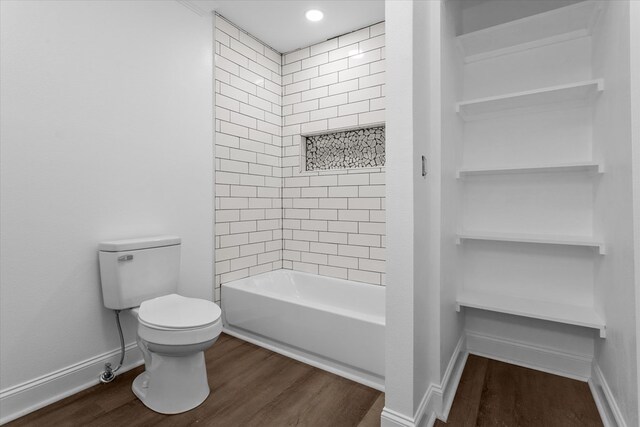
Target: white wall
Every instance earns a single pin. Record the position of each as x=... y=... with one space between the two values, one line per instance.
x=479 y=14
x=106 y=134
x=616 y=355
x=635 y=159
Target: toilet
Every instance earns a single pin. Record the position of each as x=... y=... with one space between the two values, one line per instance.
x=173 y=331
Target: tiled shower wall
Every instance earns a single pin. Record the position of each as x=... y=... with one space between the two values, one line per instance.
x=330 y=222
x=247 y=154
x=334 y=221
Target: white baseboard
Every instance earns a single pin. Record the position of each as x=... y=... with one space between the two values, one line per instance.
x=437 y=400
x=325 y=364
x=575 y=366
x=606 y=403
x=29 y=396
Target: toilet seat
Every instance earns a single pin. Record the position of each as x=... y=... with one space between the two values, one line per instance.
x=176 y=320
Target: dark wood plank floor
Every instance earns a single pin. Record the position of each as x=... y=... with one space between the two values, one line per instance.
x=250 y=386
x=493 y=393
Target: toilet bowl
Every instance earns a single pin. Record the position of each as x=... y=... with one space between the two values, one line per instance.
x=173 y=333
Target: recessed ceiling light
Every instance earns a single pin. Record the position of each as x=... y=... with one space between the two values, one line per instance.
x=314 y=15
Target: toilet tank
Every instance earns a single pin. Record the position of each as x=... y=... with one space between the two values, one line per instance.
x=135 y=270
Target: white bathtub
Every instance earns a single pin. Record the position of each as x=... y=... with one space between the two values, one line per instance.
x=333 y=324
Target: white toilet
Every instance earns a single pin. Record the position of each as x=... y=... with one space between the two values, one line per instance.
x=173 y=331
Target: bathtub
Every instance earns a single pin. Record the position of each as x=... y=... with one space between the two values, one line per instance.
x=333 y=324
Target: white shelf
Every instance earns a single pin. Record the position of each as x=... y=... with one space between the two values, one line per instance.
x=555 y=26
x=579 y=92
x=537 y=309
x=590 y=167
x=532 y=238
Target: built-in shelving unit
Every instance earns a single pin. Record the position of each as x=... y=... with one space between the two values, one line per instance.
x=537 y=309
x=535 y=71
x=590 y=167
x=535 y=31
x=532 y=238
x=530 y=100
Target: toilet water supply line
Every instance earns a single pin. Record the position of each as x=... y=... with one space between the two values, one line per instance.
x=109 y=374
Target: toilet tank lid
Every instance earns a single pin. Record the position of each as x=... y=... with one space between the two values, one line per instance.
x=140 y=243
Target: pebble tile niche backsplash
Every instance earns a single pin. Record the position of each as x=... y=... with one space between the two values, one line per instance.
x=361 y=148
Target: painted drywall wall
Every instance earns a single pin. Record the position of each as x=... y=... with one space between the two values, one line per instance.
x=617 y=354
x=248 y=155
x=634 y=32
x=413 y=271
x=106 y=133
x=479 y=14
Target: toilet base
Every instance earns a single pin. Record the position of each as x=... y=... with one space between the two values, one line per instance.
x=171 y=385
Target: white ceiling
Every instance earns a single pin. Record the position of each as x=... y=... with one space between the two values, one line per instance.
x=281 y=23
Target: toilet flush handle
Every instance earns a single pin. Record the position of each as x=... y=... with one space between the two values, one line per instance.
x=128 y=257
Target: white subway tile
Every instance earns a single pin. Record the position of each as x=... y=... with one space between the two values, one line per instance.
x=290 y=255
x=372 y=43
x=251 y=180
x=313 y=192
x=260 y=268
x=241 y=155
x=328 y=214
x=354 y=179
x=227 y=177
x=299 y=181
x=291 y=68
x=334 y=100
x=324 y=46
x=377 y=253
x=326 y=180
x=227 y=27
x=365 y=276
x=291 y=99
x=244 y=262
x=333 y=203
x=306 y=268
x=228 y=103
x=233 y=166
x=234 y=93
x=227 y=65
x=306 y=235
x=343 y=261
x=293 y=224
x=315 y=225
x=260 y=203
x=364 y=239
x=296 y=213
x=296 y=245
x=372 y=79
x=313 y=258
x=377 y=67
x=372 y=228
x=377 y=104
x=234 y=240
x=354 y=73
x=269 y=224
x=324 y=248
x=364 y=203
x=362 y=94
x=331 y=237
x=353 y=251
x=376 y=30
x=353 y=37
x=377 y=216
x=242 y=49
x=334 y=66
x=316 y=126
x=344 y=122
x=353 y=215
x=324 y=113
x=372 y=191
x=302 y=107
x=234 y=56
x=260 y=236
x=296 y=55
x=268 y=257
x=252 y=214
x=349 y=85
x=223 y=254
x=353 y=108
x=343 y=52
x=252 y=249
x=243 y=191
x=227 y=215
x=343 y=191
x=371 y=117
x=343 y=226
x=324 y=80
x=318 y=92
x=315 y=60
x=305 y=74
x=306 y=204
x=340 y=273
x=234 y=275
x=364 y=58
x=290 y=130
